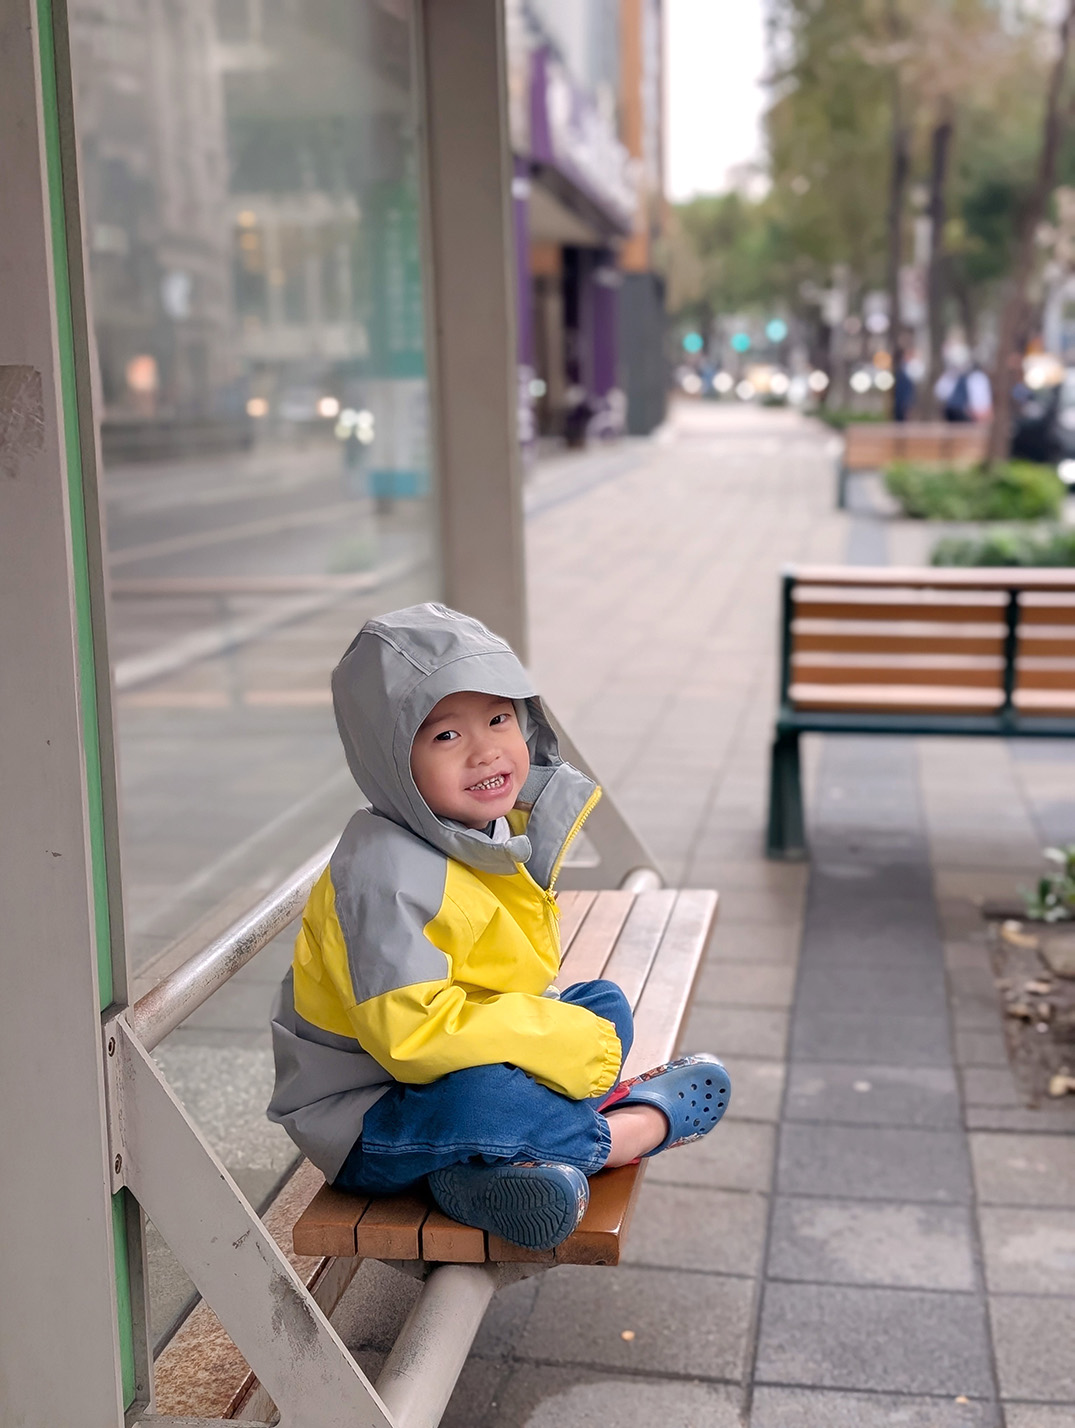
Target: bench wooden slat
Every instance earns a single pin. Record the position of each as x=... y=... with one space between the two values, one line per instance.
x=946 y=672
x=329 y=1225
x=895 y=698
x=938 y=577
x=905 y=611
x=391 y=1227
x=1038 y=678
x=1046 y=646
x=592 y=944
x=662 y=1006
x=1046 y=613
x=447 y=1241
x=573 y=908
x=638 y=943
x=1045 y=701
x=883 y=642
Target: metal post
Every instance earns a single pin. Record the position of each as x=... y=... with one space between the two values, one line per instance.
x=1011 y=654
x=64 y=1357
x=470 y=249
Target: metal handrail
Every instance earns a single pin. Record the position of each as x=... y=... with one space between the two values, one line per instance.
x=173 y=999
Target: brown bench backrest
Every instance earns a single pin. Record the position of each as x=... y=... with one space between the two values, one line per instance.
x=872 y=445
x=940 y=641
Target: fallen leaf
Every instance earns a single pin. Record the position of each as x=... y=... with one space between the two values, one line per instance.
x=1061 y=1085
x=1012 y=932
x=1020 y=1011
x=1038 y=989
x=962 y=1398
x=628 y=1334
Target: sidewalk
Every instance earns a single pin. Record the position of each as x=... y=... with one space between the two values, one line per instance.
x=879 y=1233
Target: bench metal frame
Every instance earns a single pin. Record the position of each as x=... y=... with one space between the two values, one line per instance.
x=786 y=833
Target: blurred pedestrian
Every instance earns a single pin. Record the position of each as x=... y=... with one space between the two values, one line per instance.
x=903 y=393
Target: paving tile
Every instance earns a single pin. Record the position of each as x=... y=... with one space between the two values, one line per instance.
x=738 y=1155
x=887 y=1340
x=852 y=1242
x=905 y=991
x=762 y=906
x=990 y=1086
x=873 y=1163
x=856 y=1036
x=980 y=1048
x=1038 y=1415
x=544 y=1397
x=737 y=1031
x=1028 y=1251
x=691 y=1324
x=925 y=1096
x=757 y=1089
x=1047 y=1119
x=821 y=1408
x=752 y=984
x=684 y=1227
x=1032 y=1340
x=744 y=942
x=1024 y=1169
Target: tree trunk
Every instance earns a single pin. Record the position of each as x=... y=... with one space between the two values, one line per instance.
x=940 y=151
x=1014 y=312
x=901 y=165
x=898 y=175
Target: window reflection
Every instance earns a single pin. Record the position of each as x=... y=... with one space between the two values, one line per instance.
x=249 y=170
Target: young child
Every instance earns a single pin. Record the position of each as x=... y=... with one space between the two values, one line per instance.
x=418 y=1034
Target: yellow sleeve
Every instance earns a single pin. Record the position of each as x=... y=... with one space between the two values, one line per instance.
x=422 y=1032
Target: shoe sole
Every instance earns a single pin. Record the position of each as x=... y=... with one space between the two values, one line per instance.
x=531 y=1210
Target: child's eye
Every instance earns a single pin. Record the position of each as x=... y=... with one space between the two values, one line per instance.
x=499 y=719
x=445 y=737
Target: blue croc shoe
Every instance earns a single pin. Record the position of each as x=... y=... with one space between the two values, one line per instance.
x=535 y=1205
x=693 y=1092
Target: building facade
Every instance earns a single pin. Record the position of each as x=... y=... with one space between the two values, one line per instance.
x=586 y=124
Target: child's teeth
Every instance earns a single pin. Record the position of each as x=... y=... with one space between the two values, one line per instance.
x=490 y=782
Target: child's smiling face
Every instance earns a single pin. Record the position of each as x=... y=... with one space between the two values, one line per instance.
x=469 y=759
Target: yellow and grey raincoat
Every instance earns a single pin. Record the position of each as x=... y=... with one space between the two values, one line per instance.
x=426 y=946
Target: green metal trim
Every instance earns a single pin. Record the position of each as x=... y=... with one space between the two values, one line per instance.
x=76 y=502
x=991 y=726
x=91 y=748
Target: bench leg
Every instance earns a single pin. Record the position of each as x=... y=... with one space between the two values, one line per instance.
x=842 y=477
x=786 y=837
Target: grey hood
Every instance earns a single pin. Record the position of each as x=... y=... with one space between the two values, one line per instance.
x=397 y=668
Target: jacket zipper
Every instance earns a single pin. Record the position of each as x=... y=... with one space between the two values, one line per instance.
x=576 y=827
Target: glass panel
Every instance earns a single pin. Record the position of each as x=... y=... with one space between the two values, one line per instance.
x=249 y=171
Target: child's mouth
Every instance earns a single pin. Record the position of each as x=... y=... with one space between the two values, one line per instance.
x=489 y=785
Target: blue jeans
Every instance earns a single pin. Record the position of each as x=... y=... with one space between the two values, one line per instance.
x=496 y=1114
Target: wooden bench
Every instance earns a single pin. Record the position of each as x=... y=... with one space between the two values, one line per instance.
x=651 y=944
x=871 y=446
x=917 y=651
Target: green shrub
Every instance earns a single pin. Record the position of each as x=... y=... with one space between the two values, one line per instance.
x=1013 y=491
x=1052 y=546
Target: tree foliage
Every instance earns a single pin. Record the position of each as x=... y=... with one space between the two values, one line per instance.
x=836 y=66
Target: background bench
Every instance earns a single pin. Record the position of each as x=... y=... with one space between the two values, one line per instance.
x=651 y=944
x=917 y=651
x=871 y=446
